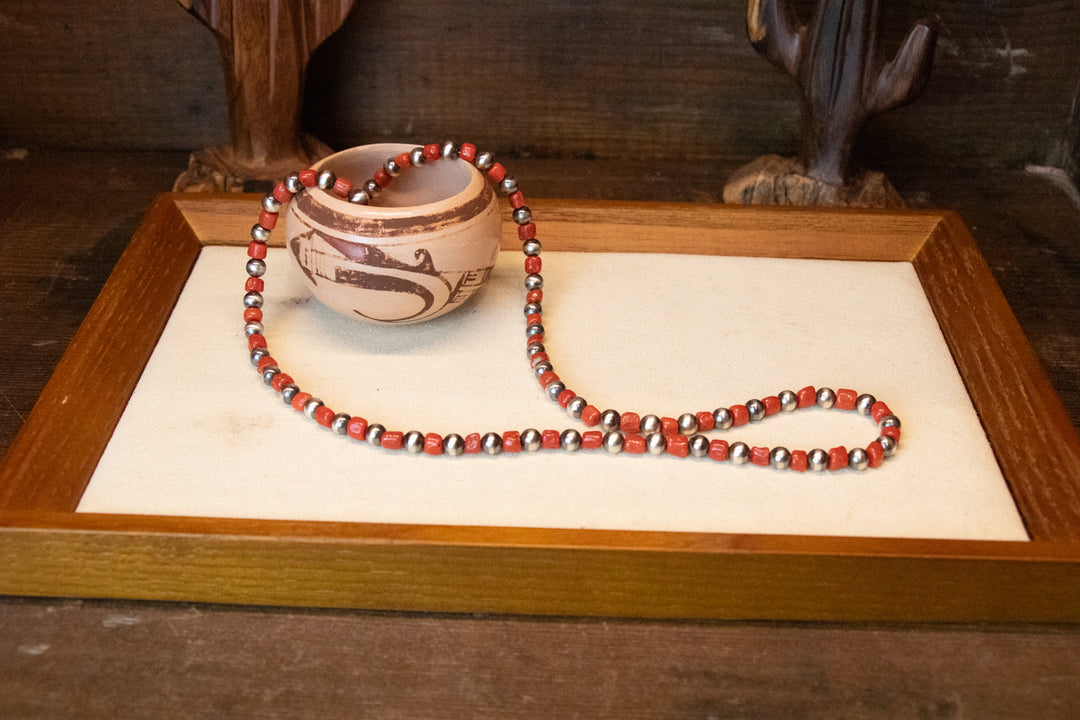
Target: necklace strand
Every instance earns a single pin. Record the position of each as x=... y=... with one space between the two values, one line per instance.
x=625 y=432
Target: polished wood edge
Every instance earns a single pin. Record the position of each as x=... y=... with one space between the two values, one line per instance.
x=52 y=458
x=1033 y=439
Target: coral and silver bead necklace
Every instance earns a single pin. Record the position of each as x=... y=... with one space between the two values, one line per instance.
x=617 y=432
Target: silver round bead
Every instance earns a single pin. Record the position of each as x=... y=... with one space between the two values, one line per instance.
x=739 y=453
x=542 y=367
x=889 y=421
x=554 y=389
x=253 y=299
x=887 y=444
x=254 y=327
x=311 y=406
x=508 y=186
x=392 y=168
x=857 y=459
x=292 y=183
x=326 y=180
x=570 y=440
x=413 y=442
x=259 y=233
x=864 y=402
x=576 y=406
x=609 y=420
x=722 y=418
x=780 y=458
x=534 y=329
x=817 y=459
x=416 y=156
x=650 y=424
x=255 y=267
x=614 y=441
x=269 y=373
x=374 y=434
x=699 y=446
x=270 y=203
x=688 y=424
x=484 y=161
x=491 y=443
x=453 y=445
x=531 y=440
x=340 y=423
x=522 y=215
x=656 y=443
x=755 y=409
x=826 y=397
x=372 y=188
x=534 y=281
x=359 y=197
x=288 y=393
x=532 y=308
x=449 y=151
x=531 y=247
x=788 y=400
x=258 y=354
x=533 y=346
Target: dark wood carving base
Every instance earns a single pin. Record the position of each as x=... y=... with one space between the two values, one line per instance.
x=219 y=169
x=775 y=180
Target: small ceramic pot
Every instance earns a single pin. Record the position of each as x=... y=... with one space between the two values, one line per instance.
x=423 y=248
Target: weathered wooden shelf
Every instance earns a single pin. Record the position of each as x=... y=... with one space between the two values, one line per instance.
x=47 y=548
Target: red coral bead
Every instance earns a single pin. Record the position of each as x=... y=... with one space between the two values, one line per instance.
x=891 y=431
x=772 y=405
x=281 y=193
x=759 y=455
x=255 y=341
x=798 y=460
x=634 y=444
x=533 y=264
x=254 y=283
x=549 y=439
x=392 y=439
x=511 y=441
x=309 y=177
x=845 y=399
x=739 y=415
x=548 y=378
x=718 y=450
x=591 y=439
x=516 y=199
x=403 y=160
x=252 y=314
x=381 y=177
x=879 y=410
x=539 y=337
x=705 y=421
x=565 y=397
x=342 y=187
x=433 y=443
x=497 y=172
x=324 y=415
x=669 y=426
x=806 y=397
x=538 y=358
x=472 y=441
x=533 y=318
x=265 y=362
x=678 y=445
x=299 y=400
x=526 y=232
x=268 y=219
x=432 y=152
x=838 y=457
x=256 y=250
x=357 y=428
x=534 y=296
x=630 y=422
x=875 y=453
x=467 y=152
x=590 y=415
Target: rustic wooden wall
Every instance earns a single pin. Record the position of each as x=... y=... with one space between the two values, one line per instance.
x=671 y=80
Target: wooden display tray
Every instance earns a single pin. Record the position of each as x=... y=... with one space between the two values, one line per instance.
x=47 y=548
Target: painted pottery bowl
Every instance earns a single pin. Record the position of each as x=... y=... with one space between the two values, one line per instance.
x=426 y=244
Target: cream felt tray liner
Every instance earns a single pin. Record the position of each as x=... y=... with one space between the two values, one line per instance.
x=202 y=436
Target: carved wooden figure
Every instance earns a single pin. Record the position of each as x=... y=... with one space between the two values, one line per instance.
x=844 y=80
x=265 y=47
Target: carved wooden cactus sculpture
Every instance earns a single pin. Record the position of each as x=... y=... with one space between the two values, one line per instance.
x=844 y=81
